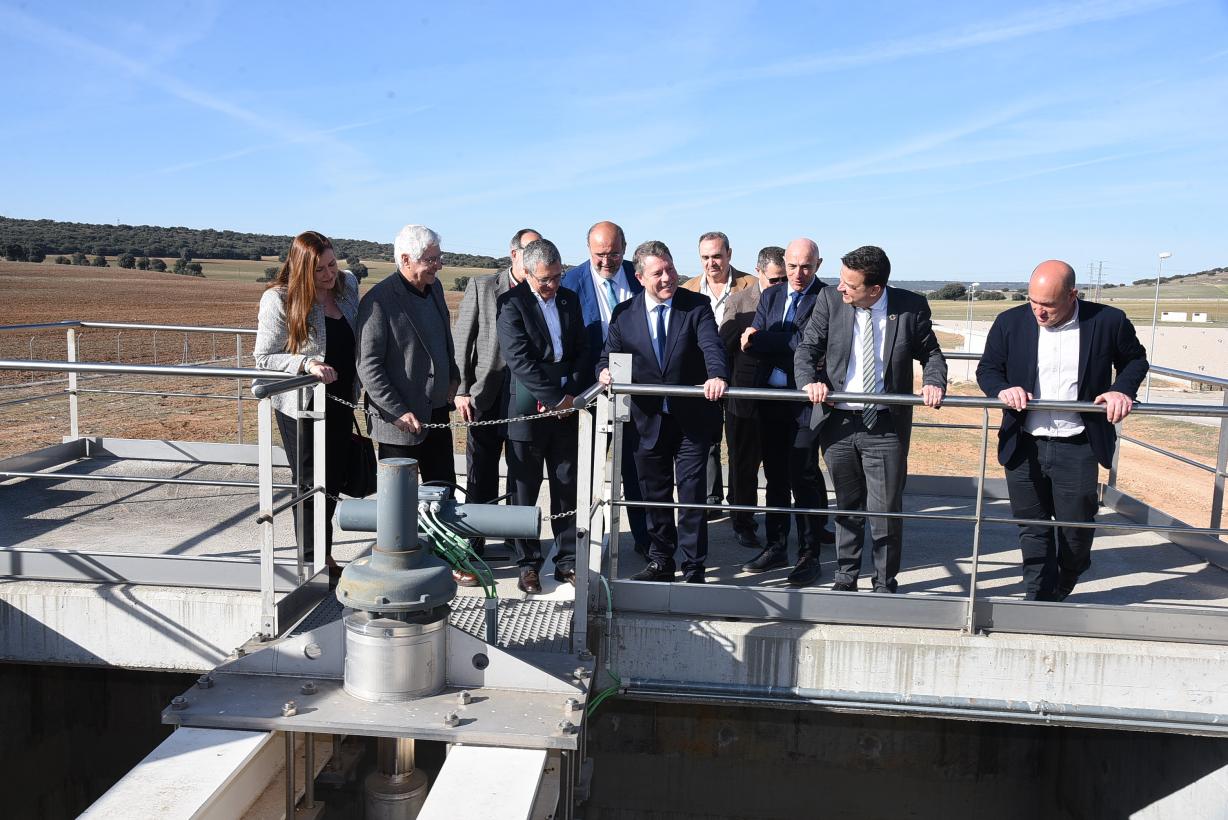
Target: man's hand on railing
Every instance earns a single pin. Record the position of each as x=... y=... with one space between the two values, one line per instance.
x=1016 y=398
x=817 y=392
x=1116 y=405
x=409 y=423
x=464 y=406
x=746 y=334
x=714 y=389
x=605 y=378
x=932 y=395
x=321 y=371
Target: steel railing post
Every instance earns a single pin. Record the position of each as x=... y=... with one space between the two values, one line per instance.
x=970 y=620
x=1112 y=479
x=74 y=429
x=1221 y=465
x=319 y=523
x=300 y=532
x=264 y=449
x=601 y=450
x=620 y=372
x=239 y=387
x=584 y=528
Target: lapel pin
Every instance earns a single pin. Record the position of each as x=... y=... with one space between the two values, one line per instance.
x=891 y=317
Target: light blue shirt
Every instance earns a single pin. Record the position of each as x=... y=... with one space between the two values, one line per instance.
x=621 y=290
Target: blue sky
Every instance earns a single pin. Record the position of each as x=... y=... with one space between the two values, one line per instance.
x=969 y=140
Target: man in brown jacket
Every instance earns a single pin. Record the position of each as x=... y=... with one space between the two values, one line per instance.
x=719 y=281
x=741 y=422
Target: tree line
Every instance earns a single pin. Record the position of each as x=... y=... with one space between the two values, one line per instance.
x=33 y=240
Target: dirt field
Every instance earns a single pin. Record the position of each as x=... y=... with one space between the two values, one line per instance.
x=48 y=293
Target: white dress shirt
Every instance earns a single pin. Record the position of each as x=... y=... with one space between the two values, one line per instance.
x=550 y=312
x=1057 y=379
x=621 y=289
x=875 y=321
x=717 y=302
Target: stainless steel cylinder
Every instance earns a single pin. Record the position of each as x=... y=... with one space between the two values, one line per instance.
x=388 y=661
x=393 y=797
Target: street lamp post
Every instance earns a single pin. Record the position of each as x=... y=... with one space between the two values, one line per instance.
x=968 y=338
x=1155 y=316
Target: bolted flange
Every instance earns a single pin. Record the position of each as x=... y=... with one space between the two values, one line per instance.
x=289 y=709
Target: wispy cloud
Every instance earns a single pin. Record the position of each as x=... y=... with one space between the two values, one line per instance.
x=18 y=23
x=1029 y=23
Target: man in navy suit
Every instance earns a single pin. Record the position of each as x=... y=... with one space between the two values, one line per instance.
x=1058 y=348
x=672 y=336
x=541 y=336
x=790 y=447
x=603 y=283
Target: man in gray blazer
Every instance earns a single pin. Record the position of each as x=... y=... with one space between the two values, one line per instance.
x=483 y=389
x=863 y=337
x=406 y=359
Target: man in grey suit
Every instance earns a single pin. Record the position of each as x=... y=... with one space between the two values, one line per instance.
x=863 y=337
x=742 y=415
x=406 y=359
x=483 y=389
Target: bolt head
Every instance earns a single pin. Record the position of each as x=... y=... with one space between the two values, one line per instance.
x=566 y=727
x=585 y=655
x=308 y=687
x=451 y=719
x=464 y=698
x=313 y=651
x=580 y=673
x=179 y=702
x=289 y=709
x=205 y=681
x=571 y=705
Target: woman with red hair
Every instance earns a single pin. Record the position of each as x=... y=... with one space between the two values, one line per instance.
x=306 y=325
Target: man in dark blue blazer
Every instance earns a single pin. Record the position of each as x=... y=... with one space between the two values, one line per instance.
x=790 y=447
x=541 y=336
x=672 y=336
x=1058 y=347
x=602 y=283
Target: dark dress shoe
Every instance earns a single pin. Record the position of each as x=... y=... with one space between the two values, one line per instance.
x=747 y=538
x=565 y=576
x=805 y=572
x=656 y=571
x=772 y=557
x=695 y=576
x=844 y=586
x=464 y=579
x=529 y=583
x=885 y=590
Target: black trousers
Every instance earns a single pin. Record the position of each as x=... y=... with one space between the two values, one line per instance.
x=791 y=467
x=715 y=480
x=679 y=459
x=554 y=446
x=868 y=468
x=483 y=450
x=338 y=422
x=433 y=453
x=637 y=517
x=745 y=456
x=1056 y=479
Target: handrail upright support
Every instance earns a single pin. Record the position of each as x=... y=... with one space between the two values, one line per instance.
x=74 y=429
x=264 y=449
x=320 y=522
x=239 y=388
x=584 y=528
x=620 y=372
x=970 y=622
x=1221 y=466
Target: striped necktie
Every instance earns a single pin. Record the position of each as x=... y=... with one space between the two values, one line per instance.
x=869 y=367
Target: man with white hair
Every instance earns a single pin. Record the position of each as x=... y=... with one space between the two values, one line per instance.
x=406 y=359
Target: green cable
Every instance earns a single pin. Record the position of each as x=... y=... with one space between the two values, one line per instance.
x=609 y=691
x=456 y=551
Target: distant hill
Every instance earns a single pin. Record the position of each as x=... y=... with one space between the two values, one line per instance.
x=40 y=237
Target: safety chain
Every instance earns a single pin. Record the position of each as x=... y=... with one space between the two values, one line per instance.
x=456 y=425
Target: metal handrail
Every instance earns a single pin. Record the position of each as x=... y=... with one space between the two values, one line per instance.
x=784 y=394
x=71 y=323
x=145 y=369
x=1203 y=378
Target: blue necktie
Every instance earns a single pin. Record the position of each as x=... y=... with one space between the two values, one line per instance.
x=611 y=297
x=661 y=335
x=792 y=308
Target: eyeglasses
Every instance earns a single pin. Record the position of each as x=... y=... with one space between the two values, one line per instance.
x=611 y=255
x=431 y=260
x=776 y=280
x=547 y=280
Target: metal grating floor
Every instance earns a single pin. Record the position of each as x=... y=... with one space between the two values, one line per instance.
x=540 y=625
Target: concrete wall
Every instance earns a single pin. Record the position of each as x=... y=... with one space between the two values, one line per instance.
x=67 y=734
x=654 y=761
